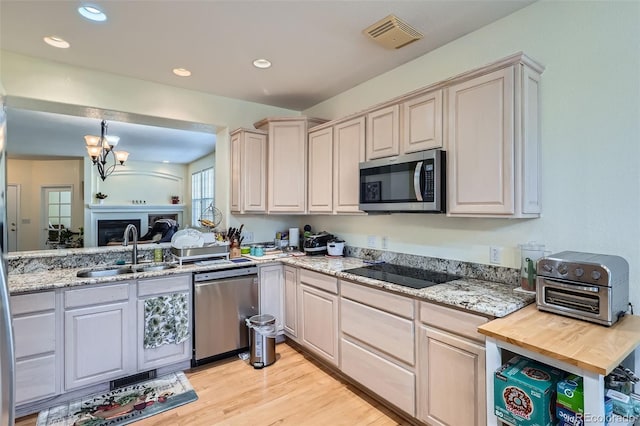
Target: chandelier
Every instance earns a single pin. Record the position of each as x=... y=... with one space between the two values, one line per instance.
x=99 y=148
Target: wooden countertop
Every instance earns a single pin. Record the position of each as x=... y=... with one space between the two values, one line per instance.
x=589 y=346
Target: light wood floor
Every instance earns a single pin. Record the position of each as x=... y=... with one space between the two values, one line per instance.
x=295 y=390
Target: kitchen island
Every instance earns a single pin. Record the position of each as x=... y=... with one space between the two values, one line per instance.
x=579 y=347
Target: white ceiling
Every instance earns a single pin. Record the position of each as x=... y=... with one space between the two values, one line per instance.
x=317 y=47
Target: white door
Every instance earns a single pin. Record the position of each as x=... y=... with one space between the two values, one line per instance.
x=56 y=205
x=13 y=212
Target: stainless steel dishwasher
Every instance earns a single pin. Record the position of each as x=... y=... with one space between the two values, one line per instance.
x=222 y=301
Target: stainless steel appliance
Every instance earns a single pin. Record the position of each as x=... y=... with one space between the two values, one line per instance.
x=7 y=353
x=317 y=243
x=223 y=300
x=406 y=183
x=403 y=275
x=588 y=286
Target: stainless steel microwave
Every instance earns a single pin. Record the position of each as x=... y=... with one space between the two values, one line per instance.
x=407 y=183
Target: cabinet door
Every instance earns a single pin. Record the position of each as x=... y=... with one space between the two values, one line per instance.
x=98 y=344
x=287 y=190
x=272 y=293
x=454 y=395
x=254 y=173
x=481 y=145
x=291 y=302
x=422 y=122
x=236 y=192
x=321 y=171
x=349 y=147
x=383 y=133
x=319 y=322
x=148 y=290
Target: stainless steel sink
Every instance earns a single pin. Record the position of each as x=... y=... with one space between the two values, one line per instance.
x=121 y=270
x=151 y=268
x=96 y=273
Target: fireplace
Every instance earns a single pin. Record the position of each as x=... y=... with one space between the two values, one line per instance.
x=112 y=231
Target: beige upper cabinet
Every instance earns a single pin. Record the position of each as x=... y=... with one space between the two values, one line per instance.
x=287 y=159
x=248 y=171
x=422 y=122
x=493 y=144
x=383 y=132
x=334 y=156
x=321 y=171
x=348 y=152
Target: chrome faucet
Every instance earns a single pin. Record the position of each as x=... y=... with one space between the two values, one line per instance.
x=125 y=242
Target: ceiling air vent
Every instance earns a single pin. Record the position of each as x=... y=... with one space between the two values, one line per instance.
x=393 y=33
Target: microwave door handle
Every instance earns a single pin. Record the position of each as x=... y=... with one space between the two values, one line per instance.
x=417 y=173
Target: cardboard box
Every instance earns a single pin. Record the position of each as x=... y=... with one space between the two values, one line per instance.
x=524 y=392
x=571 y=393
x=567 y=417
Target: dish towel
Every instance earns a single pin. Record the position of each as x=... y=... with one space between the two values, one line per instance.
x=166 y=320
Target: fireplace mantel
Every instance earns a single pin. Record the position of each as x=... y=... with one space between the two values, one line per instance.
x=108 y=208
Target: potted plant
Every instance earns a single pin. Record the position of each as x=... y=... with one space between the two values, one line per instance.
x=100 y=196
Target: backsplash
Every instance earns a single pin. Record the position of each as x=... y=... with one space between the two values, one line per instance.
x=47 y=260
x=466 y=269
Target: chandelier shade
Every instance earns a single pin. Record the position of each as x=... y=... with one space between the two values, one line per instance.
x=99 y=148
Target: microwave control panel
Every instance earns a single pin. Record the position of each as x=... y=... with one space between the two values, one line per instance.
x=428 y=194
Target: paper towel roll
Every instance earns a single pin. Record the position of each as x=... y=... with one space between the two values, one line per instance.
x=294 y=237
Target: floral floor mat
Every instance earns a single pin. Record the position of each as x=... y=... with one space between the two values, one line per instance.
x=123 y=405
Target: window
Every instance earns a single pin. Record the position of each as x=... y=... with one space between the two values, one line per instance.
x=57 y=211
x=201 y=193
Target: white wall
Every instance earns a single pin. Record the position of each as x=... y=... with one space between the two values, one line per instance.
x=590 y=136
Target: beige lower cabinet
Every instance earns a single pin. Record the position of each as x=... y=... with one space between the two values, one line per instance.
x=451 y=389
x=318 y=307
x=99 y=334
x=378 y=343
x=36 y=346
x=290 y=323
x=153 y=294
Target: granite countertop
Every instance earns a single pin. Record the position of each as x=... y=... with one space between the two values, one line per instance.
x=487 y=298
x=483 y=297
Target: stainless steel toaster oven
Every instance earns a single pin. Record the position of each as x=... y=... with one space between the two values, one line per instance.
x=588 y=286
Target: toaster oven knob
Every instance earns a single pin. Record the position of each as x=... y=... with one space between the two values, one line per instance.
x=596 y=275
x=562 y=269
x=579 y=272
x=547 y=267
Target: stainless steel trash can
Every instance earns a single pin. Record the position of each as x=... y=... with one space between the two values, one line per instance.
x=262 y=340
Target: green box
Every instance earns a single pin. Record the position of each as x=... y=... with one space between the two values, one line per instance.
x=524 y=392
x=571 y=393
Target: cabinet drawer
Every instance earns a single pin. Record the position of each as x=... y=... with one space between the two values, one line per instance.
x=96 y=295
x=380 y=299
x=321 y=281
x=458 y=322
x=33 y=302
x=35 y=378
x=35 y=334
x=390 y=381
x=381 y=330
x=173 y=284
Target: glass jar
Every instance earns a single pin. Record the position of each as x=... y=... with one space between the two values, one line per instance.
x=529 y=255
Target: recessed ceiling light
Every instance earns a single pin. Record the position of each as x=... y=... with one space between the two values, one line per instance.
x=182 y=72
x=92 y=13
x=165 y=161
x=56 y=42
x=261 y=63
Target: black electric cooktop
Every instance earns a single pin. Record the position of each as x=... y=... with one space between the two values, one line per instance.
x=403 y=275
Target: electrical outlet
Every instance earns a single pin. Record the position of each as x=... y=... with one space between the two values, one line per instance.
x=371 y=241
x=248 y=237
x=385 y=242
x=495 y=255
